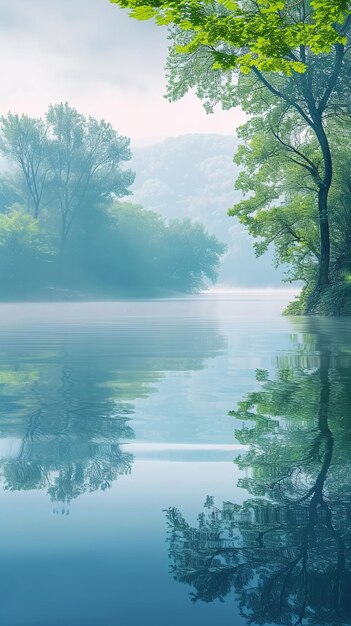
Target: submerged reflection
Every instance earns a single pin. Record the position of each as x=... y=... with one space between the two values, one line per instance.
x=67 y=396
x=68 y=429
x=286 y=552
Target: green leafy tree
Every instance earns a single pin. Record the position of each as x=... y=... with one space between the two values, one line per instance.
x=193 y=256
x=84 y=156
x=279 y=206
x=298 y=53
x=128 y=250
x=69 y=168
x=67 y=162
x=23 y=140
x=25 y=255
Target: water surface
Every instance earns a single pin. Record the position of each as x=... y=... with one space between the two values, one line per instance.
x=121 y=501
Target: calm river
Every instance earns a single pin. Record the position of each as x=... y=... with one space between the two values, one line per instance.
x=177 y=462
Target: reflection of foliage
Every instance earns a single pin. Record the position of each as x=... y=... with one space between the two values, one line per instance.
x=67 y=394
x=68 y=464
x=70 y=434
x=287 y=550
x=8 y=377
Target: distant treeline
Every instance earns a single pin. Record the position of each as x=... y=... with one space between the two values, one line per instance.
x=64 y=228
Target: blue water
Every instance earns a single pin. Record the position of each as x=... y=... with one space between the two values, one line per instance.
x=111 y=414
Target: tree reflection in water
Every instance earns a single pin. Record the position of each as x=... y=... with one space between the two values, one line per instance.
x=286 y=552
x=67 y=410
x=69 y=428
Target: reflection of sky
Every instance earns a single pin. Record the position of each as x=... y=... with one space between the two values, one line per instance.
x=193 y=406
x=107 y=562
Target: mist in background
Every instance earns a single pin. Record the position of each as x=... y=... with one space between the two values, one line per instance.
x=165 y=230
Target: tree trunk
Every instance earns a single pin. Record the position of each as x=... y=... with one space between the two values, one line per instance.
x=315 y=121
x=323 y=209
x=324 y=259
x=61 y=252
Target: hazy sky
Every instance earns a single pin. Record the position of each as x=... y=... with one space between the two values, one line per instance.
x=90 y=53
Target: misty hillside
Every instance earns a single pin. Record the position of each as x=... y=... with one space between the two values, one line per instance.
x=193 y=176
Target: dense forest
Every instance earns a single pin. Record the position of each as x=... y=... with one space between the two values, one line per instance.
x=287 y=65
x=65 y=231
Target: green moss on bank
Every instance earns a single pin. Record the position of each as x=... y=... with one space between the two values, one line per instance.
x=334 y=300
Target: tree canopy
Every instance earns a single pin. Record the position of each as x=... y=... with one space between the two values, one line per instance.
x=298 y=54
x=279 y=206
x=66 y=162
x=262 y=34
x=65 y=230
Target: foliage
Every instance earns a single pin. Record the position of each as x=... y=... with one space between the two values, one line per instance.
x=294 y=59
x=69 y=236
x=131 y=251
x=261 y=34
x=280 y=204
x=23 y=140
x=65 y=162
x=84 y=157
x=25 y=255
